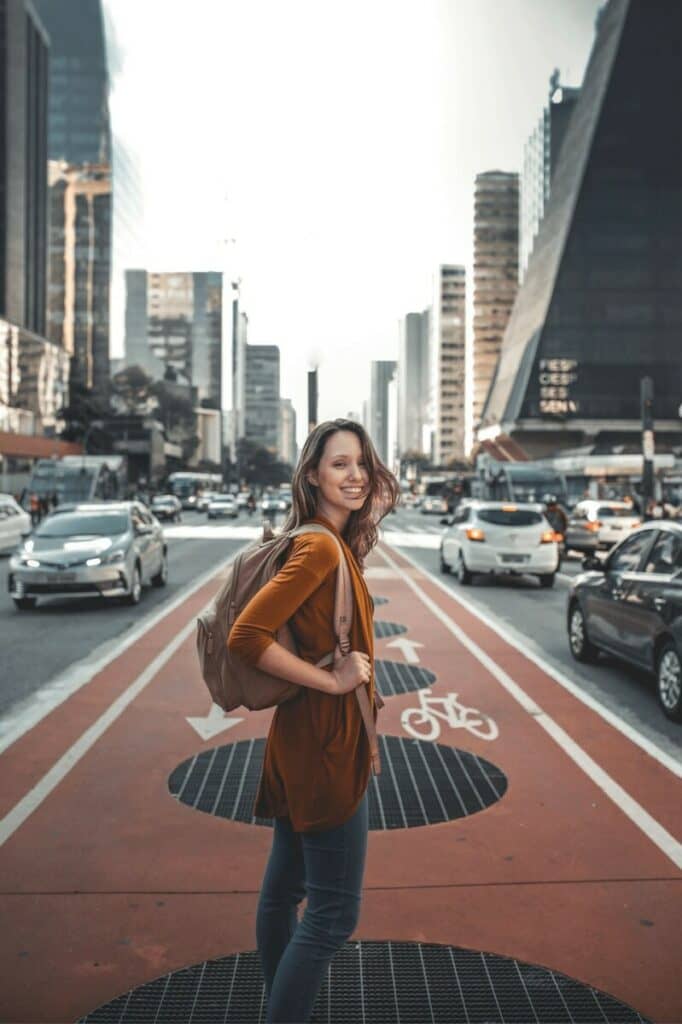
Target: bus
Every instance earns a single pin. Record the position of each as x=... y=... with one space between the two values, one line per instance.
x=189 y=486
x=519 y=481
x=75 y=478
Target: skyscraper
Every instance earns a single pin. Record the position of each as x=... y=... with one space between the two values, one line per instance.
x=174 y=326
x=262 y=396
x=413 y=380
x=79 y=129
x=496 y=254
x=601 y=304
x=382 y=373
x=540 y=158
x=79 y=266
x=446 y=364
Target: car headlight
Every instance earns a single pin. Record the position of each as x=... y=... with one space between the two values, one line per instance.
x=115 y=556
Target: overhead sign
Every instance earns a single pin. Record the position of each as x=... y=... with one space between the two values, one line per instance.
x=556 y=380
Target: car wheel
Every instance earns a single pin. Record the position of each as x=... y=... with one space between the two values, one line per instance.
x=161 y=578
x=135 y=592
x=463 y=575
x=581 y=648
x=547 y=579
x=25 y=604
x=669 y=681
x=444 y=567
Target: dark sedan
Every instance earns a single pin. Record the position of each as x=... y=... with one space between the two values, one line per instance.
x=630 y=605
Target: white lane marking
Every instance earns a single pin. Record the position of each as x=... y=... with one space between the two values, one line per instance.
x=213 y=723
x=26 y=714
x=15 y=818
x=422 y=722
x=408 y=648
x=651 y=828
x=501 y=628
x=205 y=531
x=413 y=540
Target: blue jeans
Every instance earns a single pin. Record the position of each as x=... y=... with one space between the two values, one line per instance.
x=327 y=867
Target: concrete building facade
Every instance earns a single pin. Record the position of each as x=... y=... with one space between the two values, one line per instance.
x=413 y=380
x=496 y=268
x=262 y=404
x=447 y=364
x=382 y=372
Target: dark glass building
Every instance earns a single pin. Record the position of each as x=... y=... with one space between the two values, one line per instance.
x=601 y=303
x=79 y=130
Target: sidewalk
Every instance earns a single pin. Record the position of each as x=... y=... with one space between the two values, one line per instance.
x=528 y=828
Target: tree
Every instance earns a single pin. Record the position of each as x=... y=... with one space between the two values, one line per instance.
x=84 y=408
x=258 y=465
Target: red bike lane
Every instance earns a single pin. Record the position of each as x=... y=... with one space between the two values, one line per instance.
x=112 y=877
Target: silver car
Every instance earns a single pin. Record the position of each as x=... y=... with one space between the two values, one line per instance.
x=110 y=549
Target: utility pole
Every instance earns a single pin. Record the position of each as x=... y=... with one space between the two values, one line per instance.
x=647 y=402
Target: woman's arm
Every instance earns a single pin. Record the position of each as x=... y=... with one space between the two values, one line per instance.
x=278 y=661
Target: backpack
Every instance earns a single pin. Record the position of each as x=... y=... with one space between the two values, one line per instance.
x=231 y=682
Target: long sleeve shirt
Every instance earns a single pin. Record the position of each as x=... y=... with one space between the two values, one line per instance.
x=317 y=760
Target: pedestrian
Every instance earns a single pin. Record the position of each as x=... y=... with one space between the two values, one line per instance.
x=34 y=508
x=251 y=503
x=317 y=760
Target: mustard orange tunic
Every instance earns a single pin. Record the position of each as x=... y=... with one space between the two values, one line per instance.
x=317 y=761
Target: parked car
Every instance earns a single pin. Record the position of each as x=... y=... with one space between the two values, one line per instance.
x=167 y=506
x=433 y=504
x=222 y=506
x=497 y=537
x=598 y=525
x=630 y=605
x=110 y=549
x=14 y=521
x=242 y=499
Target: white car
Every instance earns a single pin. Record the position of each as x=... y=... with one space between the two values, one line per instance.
x=595 y=525
x=434 y=503
x=499 y=537
x=205 y=499
x=221 y=506
x=14 y=522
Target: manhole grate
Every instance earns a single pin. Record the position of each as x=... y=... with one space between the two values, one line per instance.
x=382 y=628
x=377 y=982
x=395 y=677
x=421 y=783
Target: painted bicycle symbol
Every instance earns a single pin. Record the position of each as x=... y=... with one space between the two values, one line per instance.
x=422 y=722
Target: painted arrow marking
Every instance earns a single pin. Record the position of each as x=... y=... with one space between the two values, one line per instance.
x=408 y=649
x=214 y=722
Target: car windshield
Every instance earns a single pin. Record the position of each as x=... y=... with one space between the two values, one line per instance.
x=163 y=501
x=608 y=511
x=509 y=516
x=101 y=524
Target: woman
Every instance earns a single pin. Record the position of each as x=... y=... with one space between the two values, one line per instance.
x=317 y=758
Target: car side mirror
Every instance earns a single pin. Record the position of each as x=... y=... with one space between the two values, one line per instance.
x=592 y=564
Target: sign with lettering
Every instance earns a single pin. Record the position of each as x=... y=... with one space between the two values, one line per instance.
x=556 y=378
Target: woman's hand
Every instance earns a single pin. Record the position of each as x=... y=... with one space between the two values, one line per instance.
x=351 y=671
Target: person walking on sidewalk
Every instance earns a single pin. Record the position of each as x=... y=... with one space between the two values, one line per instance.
x=317 y=761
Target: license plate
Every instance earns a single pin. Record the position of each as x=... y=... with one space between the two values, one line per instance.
x=61 y=577
x=509 y=559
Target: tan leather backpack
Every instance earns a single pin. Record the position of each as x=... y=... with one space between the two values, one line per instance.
x=231 y=682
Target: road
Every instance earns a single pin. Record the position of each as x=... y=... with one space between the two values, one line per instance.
x=64 y=634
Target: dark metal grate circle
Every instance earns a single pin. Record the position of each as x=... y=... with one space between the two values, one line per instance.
x=395 y=677
x=376 y=982
x=382 y=628
x=379 y=600
x=421 y=783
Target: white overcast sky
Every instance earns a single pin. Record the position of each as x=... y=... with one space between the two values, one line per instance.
x=338 y=144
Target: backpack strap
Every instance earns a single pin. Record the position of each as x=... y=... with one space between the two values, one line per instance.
x=343 y=616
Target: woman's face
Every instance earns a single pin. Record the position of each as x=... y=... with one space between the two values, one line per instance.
x=342 y=476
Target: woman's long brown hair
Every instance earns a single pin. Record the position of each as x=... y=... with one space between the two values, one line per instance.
x=384 y=491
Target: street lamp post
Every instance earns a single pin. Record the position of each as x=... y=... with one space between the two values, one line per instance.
x=648 y=446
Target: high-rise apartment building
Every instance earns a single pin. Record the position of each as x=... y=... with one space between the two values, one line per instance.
x=33 y=372
x=79 y=269
x=496 y=268
x=262 y=425
x=174 y=328
x=447 y=363
x=540 y=158
x=382 y=372
x=413 y=380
